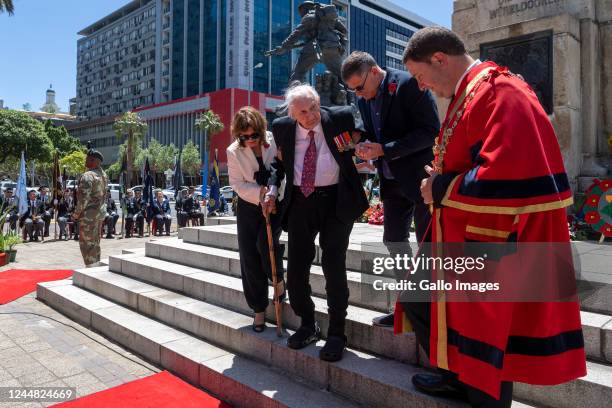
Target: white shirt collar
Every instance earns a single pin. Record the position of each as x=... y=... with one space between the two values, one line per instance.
x=303 y=132
x=475 y=63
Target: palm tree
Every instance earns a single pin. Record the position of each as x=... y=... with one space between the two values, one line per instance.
x=132 y=128
x=8 y=6
x=208 y=123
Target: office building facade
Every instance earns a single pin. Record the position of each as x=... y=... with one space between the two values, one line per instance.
x=201 y=48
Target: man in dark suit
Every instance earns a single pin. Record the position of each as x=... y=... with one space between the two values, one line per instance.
x=401 y=123
x=31 y=220
x=323 y=195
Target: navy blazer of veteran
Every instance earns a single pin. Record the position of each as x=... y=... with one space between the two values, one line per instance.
x=409 y=126
x=352 y=201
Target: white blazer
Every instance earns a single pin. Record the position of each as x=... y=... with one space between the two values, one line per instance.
x=242 y=165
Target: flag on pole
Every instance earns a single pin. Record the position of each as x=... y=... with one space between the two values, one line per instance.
x=22 y=194
x=64 y=179
x=57 y=177
x=178 y=175
x=214 y=202
x=122 y=186
x=147 y=194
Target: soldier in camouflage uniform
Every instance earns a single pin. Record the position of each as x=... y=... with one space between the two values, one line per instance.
x=91 y=207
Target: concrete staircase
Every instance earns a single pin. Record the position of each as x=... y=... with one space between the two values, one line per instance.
x=179 y=304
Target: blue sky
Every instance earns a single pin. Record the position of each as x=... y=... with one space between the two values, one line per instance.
x=38 y=44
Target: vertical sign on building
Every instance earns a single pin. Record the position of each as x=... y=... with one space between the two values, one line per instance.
x=239 y=51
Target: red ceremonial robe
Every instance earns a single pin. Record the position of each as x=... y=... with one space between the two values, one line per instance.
x=502 y=179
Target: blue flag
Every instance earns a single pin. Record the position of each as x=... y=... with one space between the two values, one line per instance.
x=22 y=193
x=214 y=201
x=178 y=175
x=147 y=194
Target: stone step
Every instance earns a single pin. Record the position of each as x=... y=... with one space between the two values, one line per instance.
x=595 y=284
x=227 y=292
x=361 y=377
x=140 y=251
x=227 y=262
x=226 y=237
x=194 y=317
x=593 y=390
x=230 y=377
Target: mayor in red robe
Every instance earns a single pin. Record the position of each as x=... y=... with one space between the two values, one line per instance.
x=497 y=176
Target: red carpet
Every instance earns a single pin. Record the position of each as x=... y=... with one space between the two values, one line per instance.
x=162 y=390
x=15 y=283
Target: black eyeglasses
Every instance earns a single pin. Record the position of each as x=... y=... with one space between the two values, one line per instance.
x=360 y=87
x=252 y=136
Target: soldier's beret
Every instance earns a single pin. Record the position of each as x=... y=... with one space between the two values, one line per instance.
x=137 y=189
x=9 y=189
x=41 y=188
x=96 y=154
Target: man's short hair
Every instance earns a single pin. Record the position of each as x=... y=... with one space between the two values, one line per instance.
x=357 y=63
x=429 y=40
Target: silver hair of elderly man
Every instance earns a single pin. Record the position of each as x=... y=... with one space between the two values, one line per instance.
x=295 y=92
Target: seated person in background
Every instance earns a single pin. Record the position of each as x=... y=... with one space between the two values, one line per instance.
x=47 y=214
x=63 y=215
x=161 y=212
x=181 y=214
x=110 y=220
x=32 y=220
x=135 y=213
x=70 y=198
x=8 y=204
x=193 y=206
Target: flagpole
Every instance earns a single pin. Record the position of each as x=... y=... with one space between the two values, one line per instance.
x=55 y=177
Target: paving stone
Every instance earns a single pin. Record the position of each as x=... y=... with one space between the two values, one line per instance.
x=36 y=378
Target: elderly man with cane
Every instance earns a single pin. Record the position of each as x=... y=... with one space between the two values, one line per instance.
x=324 y=196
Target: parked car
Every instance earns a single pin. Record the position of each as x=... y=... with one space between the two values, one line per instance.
x=71 y=184
x=6 y=184
x=227 y=192
x=169 y=193
x=114 y=188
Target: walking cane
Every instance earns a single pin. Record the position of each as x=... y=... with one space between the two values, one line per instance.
x=277 y=304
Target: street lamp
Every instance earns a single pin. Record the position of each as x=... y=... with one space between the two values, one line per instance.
x=258 y=65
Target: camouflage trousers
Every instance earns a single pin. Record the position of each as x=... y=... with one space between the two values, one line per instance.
x=89 y=240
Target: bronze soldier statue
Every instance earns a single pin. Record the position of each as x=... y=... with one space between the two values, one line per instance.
x=322 y=37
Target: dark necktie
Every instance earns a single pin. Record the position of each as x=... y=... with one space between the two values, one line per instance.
x=309 y=169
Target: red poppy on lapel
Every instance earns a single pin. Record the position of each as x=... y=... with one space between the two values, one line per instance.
x=392 y=87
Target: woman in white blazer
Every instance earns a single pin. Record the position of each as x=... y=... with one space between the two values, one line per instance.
x=253 y=173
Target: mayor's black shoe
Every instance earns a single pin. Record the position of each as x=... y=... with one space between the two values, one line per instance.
x=384 y=321
x=333 y=349
x=436 y=384
x=303 y=337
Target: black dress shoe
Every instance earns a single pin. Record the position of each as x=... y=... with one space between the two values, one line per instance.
x=303 y=337
x=436 y=384
x=384 y=321
x=333 y=349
